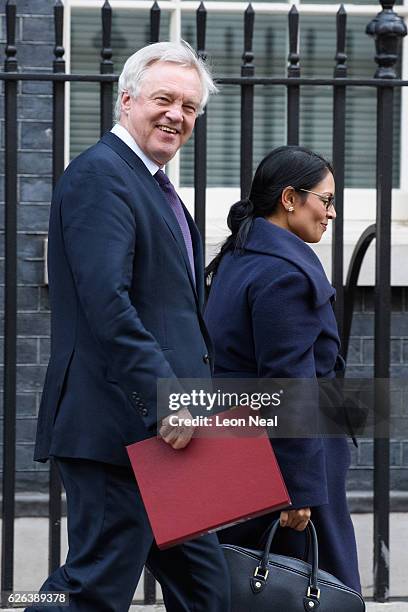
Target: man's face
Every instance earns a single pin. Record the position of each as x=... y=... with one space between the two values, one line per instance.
x=162 y=116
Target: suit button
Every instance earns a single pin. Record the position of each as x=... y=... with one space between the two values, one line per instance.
x=143 y=411
x=206 y=358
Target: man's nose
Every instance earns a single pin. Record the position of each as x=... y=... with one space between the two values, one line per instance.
x=175 y=113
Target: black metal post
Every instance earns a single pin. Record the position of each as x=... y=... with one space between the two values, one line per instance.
x=387 y=28
x=154 y=23
x=247 y=104
x=200 y=137
x=382 y=341
x=106 y=67
x=269 y=127
x=10 y=306
x=54 y=526
x=339 y=138
x=293 y=91
x=58 y=94
x=149 y=582
x=149 y=588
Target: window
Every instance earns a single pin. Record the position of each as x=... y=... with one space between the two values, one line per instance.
x=130 y=30
x=317 y=51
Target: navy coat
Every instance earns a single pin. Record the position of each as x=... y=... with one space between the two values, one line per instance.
x=270 y=314
x=124 y=307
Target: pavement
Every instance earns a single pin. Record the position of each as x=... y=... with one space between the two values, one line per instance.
x=371 y=607
x=31 y=553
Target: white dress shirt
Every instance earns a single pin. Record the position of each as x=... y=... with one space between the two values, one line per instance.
x=122 y=133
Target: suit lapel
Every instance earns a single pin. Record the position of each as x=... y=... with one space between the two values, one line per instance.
x=169 y=217
x=125 y=152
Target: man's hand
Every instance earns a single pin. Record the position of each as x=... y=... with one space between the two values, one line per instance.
x=178 y=436
x=297 y=519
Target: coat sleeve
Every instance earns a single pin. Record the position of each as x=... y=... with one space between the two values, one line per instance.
x=285 y=328
x=100 y=234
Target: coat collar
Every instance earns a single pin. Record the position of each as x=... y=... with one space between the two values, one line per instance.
x=270 y=239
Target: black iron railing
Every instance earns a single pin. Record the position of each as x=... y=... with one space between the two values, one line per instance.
x=387 y=29
x=10 y=305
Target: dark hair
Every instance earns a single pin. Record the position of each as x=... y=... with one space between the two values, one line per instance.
x=284 y=166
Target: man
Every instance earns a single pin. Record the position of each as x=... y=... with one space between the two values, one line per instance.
x=126 y=288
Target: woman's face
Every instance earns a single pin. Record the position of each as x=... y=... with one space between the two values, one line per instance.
x=309 y=219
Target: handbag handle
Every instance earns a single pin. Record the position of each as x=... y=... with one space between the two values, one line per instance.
x=261 y=571
x=308 y=543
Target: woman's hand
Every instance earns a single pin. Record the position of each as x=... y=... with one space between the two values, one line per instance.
x=297 y=519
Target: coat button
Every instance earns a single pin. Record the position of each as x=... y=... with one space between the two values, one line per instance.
x=143 y=411
x=206 y=358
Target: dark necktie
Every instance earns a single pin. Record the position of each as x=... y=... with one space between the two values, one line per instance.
x=174 y=201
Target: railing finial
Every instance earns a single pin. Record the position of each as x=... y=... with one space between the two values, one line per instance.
x=293 y=57
x=249 y=20
x=387 y=28
x=201 y=20
x=340 y=70
x=59 y=63
x=10 y=63
x=155 y=14
x=106 y=51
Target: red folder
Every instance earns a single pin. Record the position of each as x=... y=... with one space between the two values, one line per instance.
x=217 y=480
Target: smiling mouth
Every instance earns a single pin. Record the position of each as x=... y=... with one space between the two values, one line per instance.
x=167 y=129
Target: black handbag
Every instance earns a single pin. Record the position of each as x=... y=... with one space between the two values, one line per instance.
x=265 y=582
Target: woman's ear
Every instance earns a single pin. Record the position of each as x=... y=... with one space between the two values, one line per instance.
x=288 y=199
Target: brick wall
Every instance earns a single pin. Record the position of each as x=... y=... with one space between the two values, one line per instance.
x=35 y=35
x=360 y=363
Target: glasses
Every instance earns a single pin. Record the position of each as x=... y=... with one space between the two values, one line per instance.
x=328 y=201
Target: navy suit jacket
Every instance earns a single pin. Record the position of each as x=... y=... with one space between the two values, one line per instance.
x=269 y=314
x=124 y=307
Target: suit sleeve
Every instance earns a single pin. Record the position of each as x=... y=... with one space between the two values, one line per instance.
x=285 y=328
x=100 y=235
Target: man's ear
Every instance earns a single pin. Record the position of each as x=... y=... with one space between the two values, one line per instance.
x=125 y=102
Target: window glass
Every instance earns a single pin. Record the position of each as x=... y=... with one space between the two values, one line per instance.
x=225 y=47
x=317 y=51
x=130 y=31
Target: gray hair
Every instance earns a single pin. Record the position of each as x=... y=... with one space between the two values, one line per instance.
x=181 y=53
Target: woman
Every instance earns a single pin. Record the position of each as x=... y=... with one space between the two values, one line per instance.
x=270 y=315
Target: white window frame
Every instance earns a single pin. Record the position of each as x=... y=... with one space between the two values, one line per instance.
x=360 y=204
